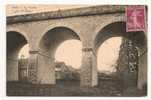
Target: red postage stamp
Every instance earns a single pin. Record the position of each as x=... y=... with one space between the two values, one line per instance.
x=135 y=19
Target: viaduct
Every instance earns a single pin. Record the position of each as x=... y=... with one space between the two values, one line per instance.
x=45 y=31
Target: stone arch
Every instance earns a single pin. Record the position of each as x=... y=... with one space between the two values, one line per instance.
x=59 y=25
x=117 y=29
x=18 y=30
x=48 y=45
x=55 y=36
x=15 y=41
x=111 y=20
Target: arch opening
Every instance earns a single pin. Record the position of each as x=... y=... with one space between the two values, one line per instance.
x=54 y=37
x=70 y=53
x=53 y=44
x=15 y=41
x=109 y=51
x=118 y=29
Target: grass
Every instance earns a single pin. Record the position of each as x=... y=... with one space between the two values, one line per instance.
x=70 y=88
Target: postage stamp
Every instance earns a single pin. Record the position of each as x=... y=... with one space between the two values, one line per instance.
x=135 y=19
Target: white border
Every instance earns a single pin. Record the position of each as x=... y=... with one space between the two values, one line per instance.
x=3 y=3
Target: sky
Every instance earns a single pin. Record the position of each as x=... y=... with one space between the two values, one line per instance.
x=108 y=54
x=70 y=51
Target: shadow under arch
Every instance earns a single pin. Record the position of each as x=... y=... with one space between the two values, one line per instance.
x=47 y=49
x=54 y=37
x=15 y=41
x=118 y=29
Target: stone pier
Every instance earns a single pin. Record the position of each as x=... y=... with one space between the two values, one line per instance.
x=41 y=69
x=89 y=68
